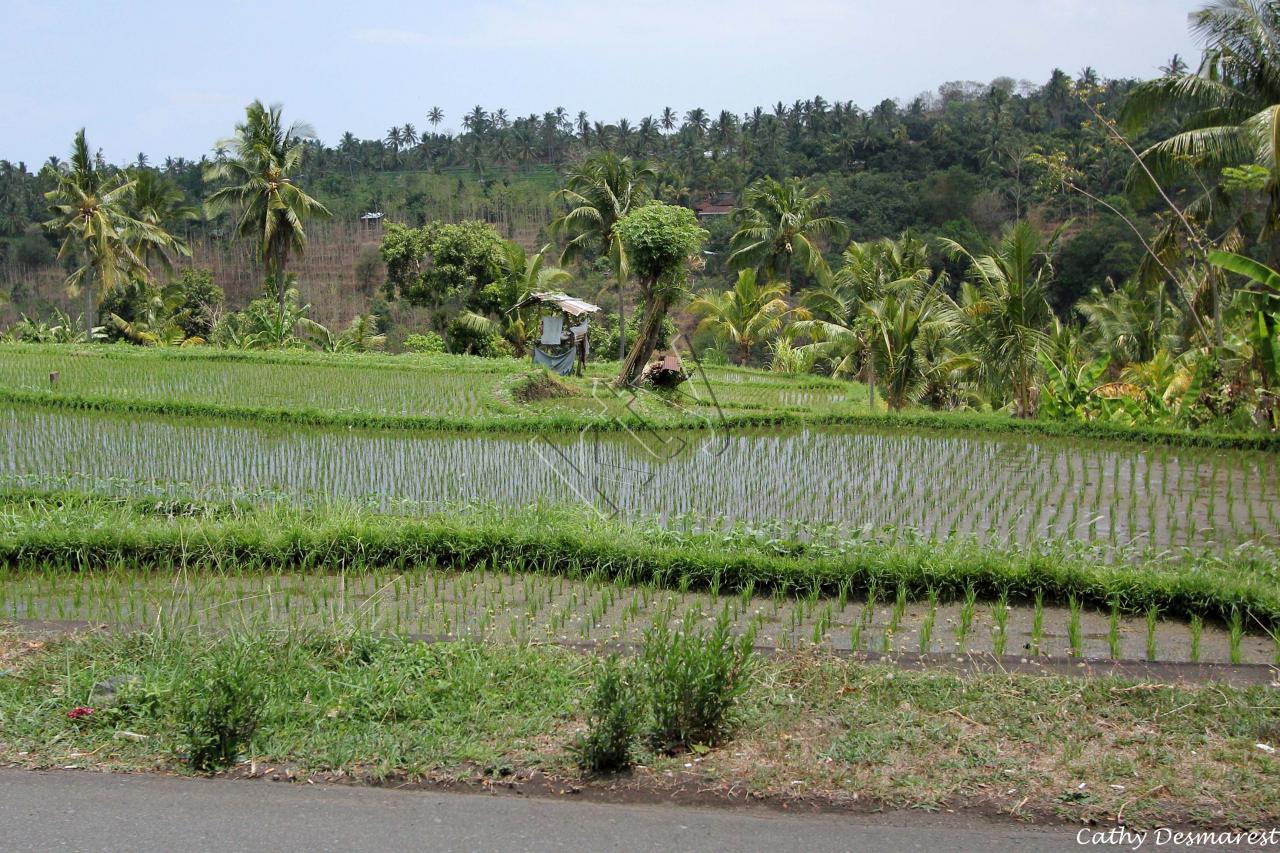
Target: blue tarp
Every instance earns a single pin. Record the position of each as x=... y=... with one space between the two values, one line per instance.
x=560 y=362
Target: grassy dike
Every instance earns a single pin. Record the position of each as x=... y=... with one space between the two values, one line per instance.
x=730 y=397
x=343 y=703
x=78 y=532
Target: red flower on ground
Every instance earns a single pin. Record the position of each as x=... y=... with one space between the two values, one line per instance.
x=79 y=713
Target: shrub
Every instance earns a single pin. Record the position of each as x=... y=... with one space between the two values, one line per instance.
x=220 y=705
x=613 y=722
x=424 y=342
x=693 y=679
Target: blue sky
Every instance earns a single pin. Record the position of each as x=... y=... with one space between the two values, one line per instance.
x=173 y=77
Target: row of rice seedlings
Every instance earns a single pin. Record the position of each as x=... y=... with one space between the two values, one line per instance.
x=998 y=491
x=395 y=387
x=497 y=604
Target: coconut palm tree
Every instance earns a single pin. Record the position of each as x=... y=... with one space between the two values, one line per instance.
x=522 y=275
x=744 y=315
x=90 y=211
x=159 y=202
x=435 y=115
x=602 y=190
x=272 y=208
x=779 y=223
x=840 y=325
x=1003 y=315
x=1228 y=109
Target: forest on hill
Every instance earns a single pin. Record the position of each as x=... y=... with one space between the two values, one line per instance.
x=1085 y=248
x=949 y=163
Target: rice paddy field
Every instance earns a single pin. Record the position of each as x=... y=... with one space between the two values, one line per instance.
x=458 y=390
x=1124 y=500
x=1134 y=550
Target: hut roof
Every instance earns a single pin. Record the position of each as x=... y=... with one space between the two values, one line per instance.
x=567 y=304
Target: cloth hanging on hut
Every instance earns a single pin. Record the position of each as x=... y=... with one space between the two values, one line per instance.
x=580 y=338
x=560 y=362
x=552 y=330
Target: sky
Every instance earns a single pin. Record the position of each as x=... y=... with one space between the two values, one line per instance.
x=172 y=78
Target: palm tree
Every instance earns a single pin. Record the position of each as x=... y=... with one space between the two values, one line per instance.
x=779 y=222
x=1227 y=108
x=272 y=208
x=90 y=210
x=435 y=115
x=603 y=189
x=523 y=275
x=668 y=119
x=1002 y=316
x=159 y=202
x=840 y=327
x=745 y=315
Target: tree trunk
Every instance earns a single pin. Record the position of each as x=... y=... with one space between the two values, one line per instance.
x=280 y=285
x=646 y=342
x=746 y=352
x=871 y=387
x=622 y=323
x=90 y=303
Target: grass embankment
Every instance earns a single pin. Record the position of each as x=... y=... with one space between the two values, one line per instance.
x=464 y=393
x=74 y=532
x=348 y=703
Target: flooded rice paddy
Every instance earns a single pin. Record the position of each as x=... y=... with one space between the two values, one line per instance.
x=999 y=489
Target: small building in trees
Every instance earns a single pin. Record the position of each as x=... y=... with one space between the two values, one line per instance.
x=563 y=322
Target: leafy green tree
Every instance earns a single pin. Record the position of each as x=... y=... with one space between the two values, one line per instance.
x=599 y=194
x=745 y=315
x=159 y=202
x=440 y=262
x=780 y=223
x=272 y=209
x=90 y=208
x=658 y=240
x=1227 y=110
x=1003 y=314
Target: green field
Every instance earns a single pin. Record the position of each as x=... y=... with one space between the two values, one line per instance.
x=312 y=517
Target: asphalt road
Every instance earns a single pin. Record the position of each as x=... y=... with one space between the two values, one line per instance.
x=69 y=810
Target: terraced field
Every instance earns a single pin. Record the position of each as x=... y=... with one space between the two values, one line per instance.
x=1002 y=490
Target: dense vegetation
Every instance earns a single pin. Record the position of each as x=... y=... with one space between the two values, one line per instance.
x=1059 y=260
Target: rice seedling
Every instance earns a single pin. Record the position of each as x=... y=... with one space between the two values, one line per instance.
x=1113 y=632
x=1074 y=638
x=1153 y=622
x=967 y=609
x=1235 y=629
x=926 y=625
x=1000 y=624
x=1037 y=624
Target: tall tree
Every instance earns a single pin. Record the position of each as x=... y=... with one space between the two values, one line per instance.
x=1228 y=109
x=781 y=223
x=745 y=315
x=659 y=240
x=1003 y=314
x=272 y=209
x=599 y=193
x=157 y=201
x=90 y=211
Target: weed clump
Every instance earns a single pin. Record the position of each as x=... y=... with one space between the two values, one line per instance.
x=220 y=706
x=613 y=722
x=693 y=679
